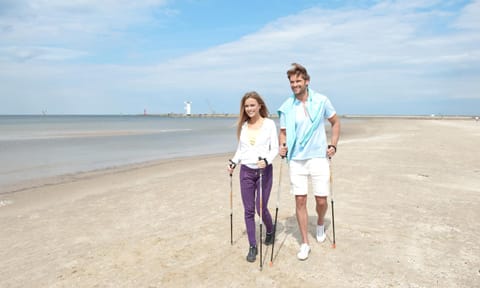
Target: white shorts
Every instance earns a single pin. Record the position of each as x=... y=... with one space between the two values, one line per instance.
x=317 y=169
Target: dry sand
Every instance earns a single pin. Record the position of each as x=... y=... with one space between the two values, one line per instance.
x=407 y=211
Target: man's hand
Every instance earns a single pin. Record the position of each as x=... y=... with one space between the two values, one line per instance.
x=331 y=150
x=283 y=150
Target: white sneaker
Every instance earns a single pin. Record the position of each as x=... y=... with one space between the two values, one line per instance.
x=304 y=251
x=321 y=236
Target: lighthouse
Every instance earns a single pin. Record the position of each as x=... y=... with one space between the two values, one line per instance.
x=188 y=108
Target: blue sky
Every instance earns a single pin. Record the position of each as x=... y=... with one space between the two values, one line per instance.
x=121 y=57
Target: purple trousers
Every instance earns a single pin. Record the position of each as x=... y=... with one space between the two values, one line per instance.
x=250 y=188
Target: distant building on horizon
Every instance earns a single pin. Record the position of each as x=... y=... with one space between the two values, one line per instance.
x=188 y=108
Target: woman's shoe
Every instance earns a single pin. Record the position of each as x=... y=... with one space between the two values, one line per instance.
x=252 y=254
x=269 y=239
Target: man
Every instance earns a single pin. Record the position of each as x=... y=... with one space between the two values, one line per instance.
x=302 y=129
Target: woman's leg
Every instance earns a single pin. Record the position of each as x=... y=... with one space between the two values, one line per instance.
x=266 y=191
x=248 y=180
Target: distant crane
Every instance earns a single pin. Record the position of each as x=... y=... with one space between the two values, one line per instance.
x=212 y=111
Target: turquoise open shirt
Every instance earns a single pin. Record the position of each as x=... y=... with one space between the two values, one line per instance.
x=306 y=136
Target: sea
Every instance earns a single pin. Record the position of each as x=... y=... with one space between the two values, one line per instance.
x=38 y=147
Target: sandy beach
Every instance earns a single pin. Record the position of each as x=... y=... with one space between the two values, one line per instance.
x=407 y=210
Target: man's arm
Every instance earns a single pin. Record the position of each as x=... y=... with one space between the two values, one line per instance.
x=335 y=123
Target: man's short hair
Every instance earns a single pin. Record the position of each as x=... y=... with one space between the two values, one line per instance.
x=298 y=69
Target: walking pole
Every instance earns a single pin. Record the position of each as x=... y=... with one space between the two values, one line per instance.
x=232 y=166
x=276 y=209
x=261 y=214
x=332 y=202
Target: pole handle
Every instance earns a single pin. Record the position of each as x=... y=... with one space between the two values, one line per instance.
x=284 y=145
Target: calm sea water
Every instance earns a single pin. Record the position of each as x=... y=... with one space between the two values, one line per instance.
x=33 y=147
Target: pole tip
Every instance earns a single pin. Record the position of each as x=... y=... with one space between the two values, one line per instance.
x=334 y=245
x=270 y=264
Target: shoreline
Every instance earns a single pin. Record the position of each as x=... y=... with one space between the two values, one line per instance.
x=274 y=115
x=352 y=129
x=344 y=116
x=348 y=131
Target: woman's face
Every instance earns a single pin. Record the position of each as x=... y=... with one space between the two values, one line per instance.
x=252 y=108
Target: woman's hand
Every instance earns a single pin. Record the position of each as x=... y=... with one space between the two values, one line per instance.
x=262 y=163
x=231 y=166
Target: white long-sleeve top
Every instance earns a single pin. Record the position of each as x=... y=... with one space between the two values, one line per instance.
x=266 y=145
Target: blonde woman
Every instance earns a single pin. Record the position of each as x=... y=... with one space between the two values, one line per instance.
x=257 y=139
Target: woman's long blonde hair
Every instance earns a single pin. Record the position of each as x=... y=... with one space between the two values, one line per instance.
x=243 y=115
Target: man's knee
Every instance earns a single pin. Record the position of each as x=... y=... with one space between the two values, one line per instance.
x=301 y=201
x=321 y=201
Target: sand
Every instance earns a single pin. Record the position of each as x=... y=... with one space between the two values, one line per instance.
x=407 y=210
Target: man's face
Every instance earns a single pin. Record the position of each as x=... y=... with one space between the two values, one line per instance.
x=298 y=85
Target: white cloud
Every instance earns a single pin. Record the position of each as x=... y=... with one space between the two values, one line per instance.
x=346 y=42
x=23 y=54
x=67 y=21
x=392 y=51
x=469 y=18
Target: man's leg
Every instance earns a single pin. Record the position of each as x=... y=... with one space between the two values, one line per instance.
x=302 y=219
x=299 y=184
x=302 y=216
x=320 y=182
x=322 y=206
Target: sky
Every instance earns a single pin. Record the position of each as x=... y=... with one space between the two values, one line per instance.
x=127 y=57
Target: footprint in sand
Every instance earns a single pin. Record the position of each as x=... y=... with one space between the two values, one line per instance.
x=5 y=202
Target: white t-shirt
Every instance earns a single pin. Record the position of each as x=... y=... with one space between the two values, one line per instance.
x=265 y=146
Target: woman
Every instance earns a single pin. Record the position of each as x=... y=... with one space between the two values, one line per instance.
x=257 y=139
